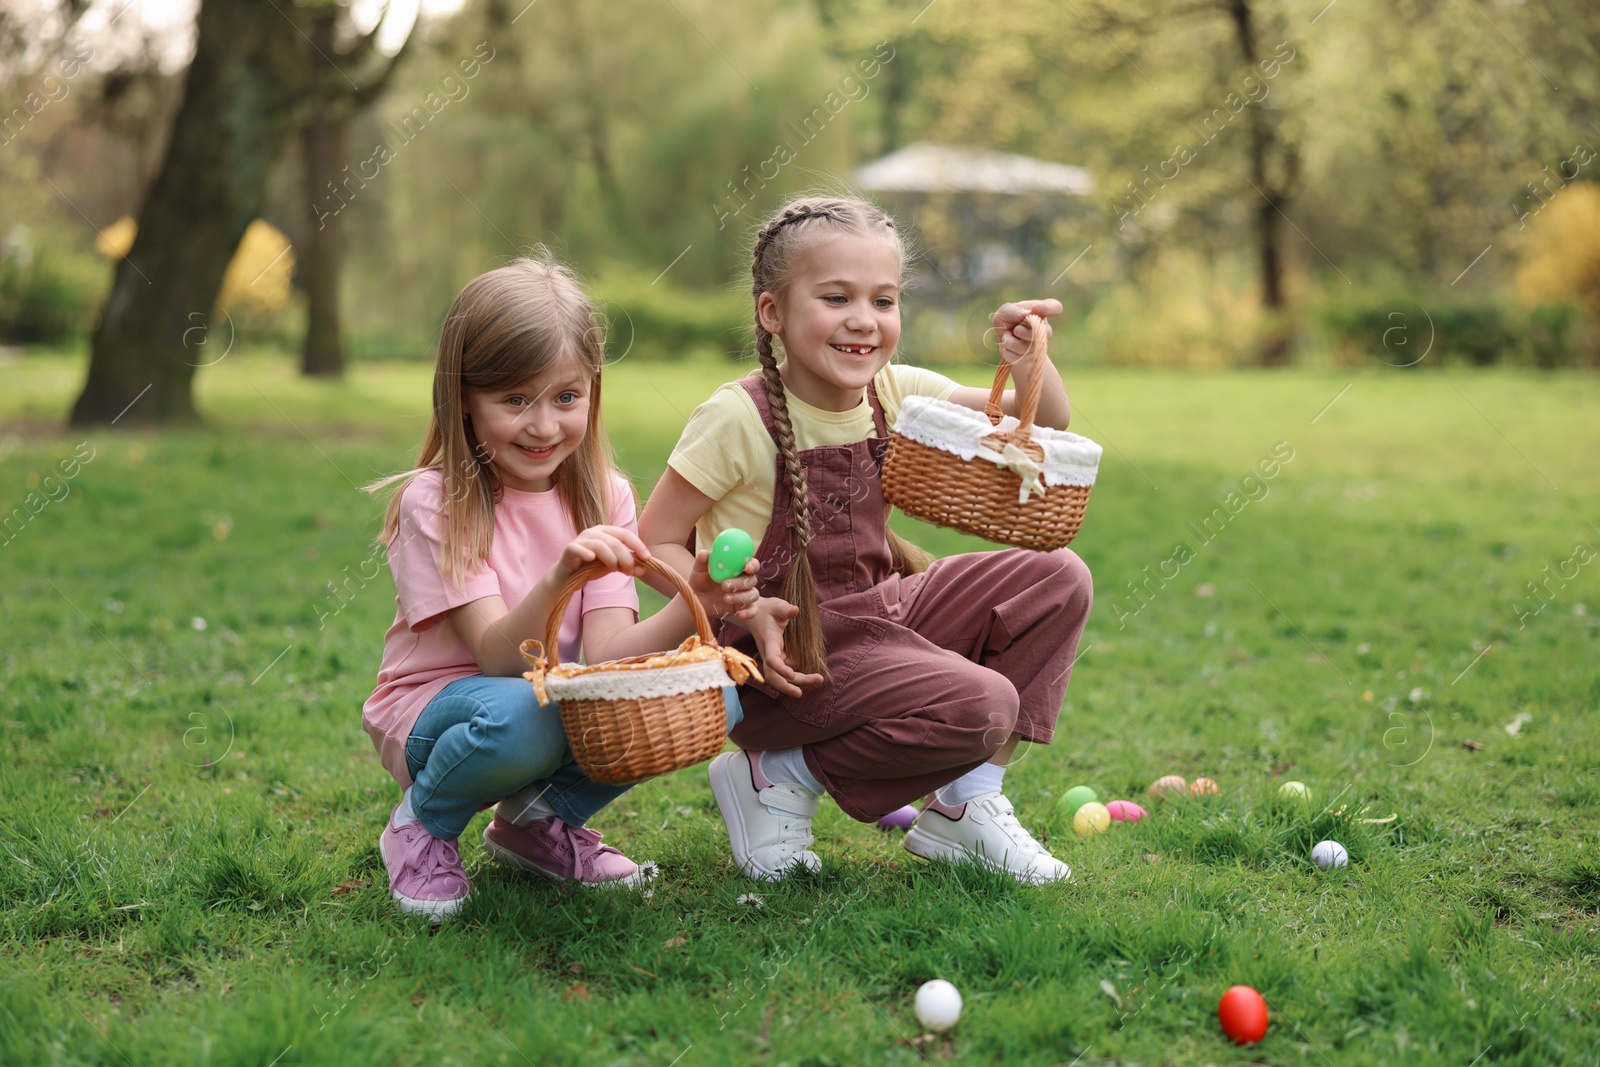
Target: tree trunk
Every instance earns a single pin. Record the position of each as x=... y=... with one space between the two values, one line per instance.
x=146 y=344
x=322 y=251
x=1275 y=341
x=335 y=99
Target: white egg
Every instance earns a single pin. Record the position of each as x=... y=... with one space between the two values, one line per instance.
x=938 y=1005
x=1327 y=854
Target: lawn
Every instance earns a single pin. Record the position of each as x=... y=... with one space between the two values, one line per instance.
x=189 y=808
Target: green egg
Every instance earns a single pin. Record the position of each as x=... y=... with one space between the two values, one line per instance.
x=1077 y=797
x=1294 y=791
x=729 y=553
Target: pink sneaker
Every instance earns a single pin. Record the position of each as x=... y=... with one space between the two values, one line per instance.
x=425 y=872
x=562 y=853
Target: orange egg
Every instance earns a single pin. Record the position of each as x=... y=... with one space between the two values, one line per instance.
x=1202 y=787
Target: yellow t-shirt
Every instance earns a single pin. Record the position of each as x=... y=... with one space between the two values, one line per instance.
x=728 y=455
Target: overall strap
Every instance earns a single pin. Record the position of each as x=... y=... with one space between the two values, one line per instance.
x=758 y=394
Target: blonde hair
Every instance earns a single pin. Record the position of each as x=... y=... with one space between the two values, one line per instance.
x=772 y=265
x=505 y=327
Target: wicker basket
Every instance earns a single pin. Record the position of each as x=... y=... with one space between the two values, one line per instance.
x=985 y=498
x=631 y=719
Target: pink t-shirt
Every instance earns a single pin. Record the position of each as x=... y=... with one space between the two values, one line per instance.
x=421 y=657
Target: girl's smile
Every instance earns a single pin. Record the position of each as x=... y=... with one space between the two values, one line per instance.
x=539 y=453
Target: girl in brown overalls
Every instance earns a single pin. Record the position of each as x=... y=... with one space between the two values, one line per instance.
x=898 y=676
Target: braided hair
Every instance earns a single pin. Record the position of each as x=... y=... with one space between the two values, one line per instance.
x=772 y=262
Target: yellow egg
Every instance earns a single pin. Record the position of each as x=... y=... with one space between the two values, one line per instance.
x=1092 y=818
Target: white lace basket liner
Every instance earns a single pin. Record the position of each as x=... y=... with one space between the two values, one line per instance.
x=1069 y=458
x=631 y=719
x=989 y=474
x=693 y=666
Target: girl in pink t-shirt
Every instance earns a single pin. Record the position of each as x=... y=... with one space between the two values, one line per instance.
x=514 y=491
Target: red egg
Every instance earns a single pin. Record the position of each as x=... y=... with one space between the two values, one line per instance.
x=1243 y=1014
x=1126 y=811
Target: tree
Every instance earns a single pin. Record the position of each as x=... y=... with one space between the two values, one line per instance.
x=853 y=28
x=38 y=60
x=1274 y=162
x=1426 y=146
x=1178 y=107
x=257 y=76
x=343 y=82
x=618 y=155
x=240 y=101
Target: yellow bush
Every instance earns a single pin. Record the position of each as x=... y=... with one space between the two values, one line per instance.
x=116 y=240
x=1562 y=260
x=257 y=278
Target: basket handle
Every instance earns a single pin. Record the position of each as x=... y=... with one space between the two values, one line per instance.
x=590 y=571
x=1031 y=391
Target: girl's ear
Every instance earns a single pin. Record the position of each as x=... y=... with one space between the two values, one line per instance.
x=769 y=314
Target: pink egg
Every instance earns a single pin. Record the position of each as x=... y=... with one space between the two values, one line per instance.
x=1126 y=811
x=1170 y=785
x=899 y=820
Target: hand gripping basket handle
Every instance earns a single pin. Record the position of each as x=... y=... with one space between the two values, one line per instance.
x=1031 y=390
x=587 y=573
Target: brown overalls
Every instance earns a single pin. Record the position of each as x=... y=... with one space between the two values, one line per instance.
x=931 y=673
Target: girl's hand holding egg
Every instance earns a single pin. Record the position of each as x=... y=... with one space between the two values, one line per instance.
x=735 y=596
x=730 y=554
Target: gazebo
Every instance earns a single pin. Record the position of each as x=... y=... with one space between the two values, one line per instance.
x=983 y=219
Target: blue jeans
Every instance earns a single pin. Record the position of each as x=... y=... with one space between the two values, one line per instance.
x=483 y=739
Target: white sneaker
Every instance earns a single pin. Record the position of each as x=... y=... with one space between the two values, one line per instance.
x=983 y=830
x=766 y=847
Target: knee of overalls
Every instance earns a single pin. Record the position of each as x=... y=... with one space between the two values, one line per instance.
x=983 y=708
x=1067 y=576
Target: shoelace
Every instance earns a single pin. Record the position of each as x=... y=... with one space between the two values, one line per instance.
x=789 y=838
x=586 y=845
x=796 y=840
x=436 y=857
x=1005 y=818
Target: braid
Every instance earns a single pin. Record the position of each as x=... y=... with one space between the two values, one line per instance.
x=779 y=402
x=806 y=649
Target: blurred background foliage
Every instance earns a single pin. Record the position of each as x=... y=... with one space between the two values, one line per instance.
x=1432 y=165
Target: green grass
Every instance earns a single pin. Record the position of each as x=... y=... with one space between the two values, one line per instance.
x=189 y=816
